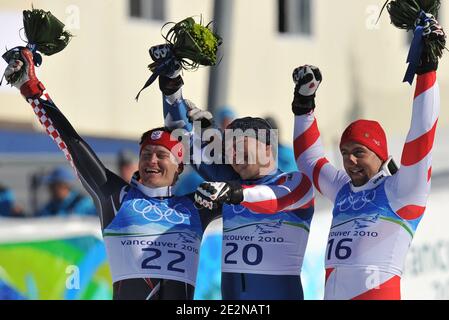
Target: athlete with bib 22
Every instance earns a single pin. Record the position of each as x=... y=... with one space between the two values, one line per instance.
x=377 y=207
x=152 y=237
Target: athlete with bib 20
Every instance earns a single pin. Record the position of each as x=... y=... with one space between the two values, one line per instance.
x=377 y=207
x=266 y=212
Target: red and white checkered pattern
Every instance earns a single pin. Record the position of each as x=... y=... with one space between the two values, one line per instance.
x=48 y=125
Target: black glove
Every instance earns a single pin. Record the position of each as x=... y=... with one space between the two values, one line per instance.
x=211 y=195
x=432 y=32
x=169 y=86
x=307 y=79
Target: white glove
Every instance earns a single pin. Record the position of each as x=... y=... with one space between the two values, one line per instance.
x=307 y=79
x=196 y=114
x=13 y=67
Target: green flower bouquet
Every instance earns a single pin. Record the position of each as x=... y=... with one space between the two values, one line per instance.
x=44 y=33
x=190 y=44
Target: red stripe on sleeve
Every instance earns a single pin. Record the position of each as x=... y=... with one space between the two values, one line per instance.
x=429 y=174
x=316 y=172
x=411 y=212
x=275 y=205
x=306 y=139
x=425 y=82
x=414 y=151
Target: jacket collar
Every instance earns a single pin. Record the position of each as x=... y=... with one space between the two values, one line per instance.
x=162 y=192
x=375 y=181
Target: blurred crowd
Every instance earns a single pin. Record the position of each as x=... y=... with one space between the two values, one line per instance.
x=62 y=196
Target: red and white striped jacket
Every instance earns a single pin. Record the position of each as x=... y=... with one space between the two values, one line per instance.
x=373 y=225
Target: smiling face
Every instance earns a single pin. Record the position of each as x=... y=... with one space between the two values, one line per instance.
x=158 y=167
x=360 y=163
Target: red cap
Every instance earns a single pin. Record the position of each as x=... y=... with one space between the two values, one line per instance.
x=368 y=133
x=164 y=139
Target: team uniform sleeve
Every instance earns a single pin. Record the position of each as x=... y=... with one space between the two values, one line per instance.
x=290 y=191
x=103 y=185
x=310 y=158
x=409 y=188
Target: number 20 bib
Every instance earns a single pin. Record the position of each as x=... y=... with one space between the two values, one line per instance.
x=264 y=244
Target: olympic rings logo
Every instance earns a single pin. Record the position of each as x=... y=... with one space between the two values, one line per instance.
x=358 y=202
x=238 y=208
x=155 y=213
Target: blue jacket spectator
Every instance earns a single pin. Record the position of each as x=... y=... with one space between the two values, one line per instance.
x=224 y=116
x=8 y=207
x=64 y=199
x=6 y=201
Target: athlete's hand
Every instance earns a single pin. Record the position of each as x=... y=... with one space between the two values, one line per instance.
x=159 y=54
x=12 y=70
x=432 y=32
x=196 y=114
x=307 y=80
x=21 y=73
x=15 y=71
x=170 y=79
x=211 y=195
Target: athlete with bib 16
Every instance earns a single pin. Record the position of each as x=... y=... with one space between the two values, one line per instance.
x=377 y=207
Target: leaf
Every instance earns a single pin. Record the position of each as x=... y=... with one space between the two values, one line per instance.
x=45 y=31
x=193 y=43
x=403 y=15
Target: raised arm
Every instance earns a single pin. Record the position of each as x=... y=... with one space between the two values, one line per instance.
x=309 y=151
x=409 y=188
x=289 y=191
x=103 y=185
x=182 y=114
